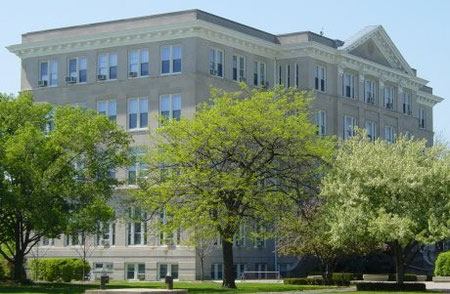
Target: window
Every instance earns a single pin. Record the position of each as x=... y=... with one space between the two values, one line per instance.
x=389 y=133
x=259 y=74
x=73 y=240
x=261 y=267
x=48 y=73
x=138 y=63
x=407 y=109
x=369 y=91
x=167 y=269
x=238 y=66
x=170 y=106
x=103 y=267
x=321 y=122
x=137 y=113
x=239 y=270
x=297 y=76
x=216 y=271
x=349 y=126
x=279 y=75
x=288 y=76
x=371 y=129
x=348 y=89
x=216 y=62
x=389 y=97
x=138 y=169
x=108 y=108
x=239 y=240
x=107 y=235
x=167 y=238
x=421 y=115
x=320 y=78
x=136 y=227
x=77 y=70
x=171 y=59
x=136 y=271
x=45 y=241
x=107 y=66
x=284 y=267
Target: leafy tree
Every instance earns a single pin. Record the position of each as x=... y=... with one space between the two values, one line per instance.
x=228 y=165
x=397 y=194
x=55 y=163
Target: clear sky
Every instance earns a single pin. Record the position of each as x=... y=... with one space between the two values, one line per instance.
x=420 y=29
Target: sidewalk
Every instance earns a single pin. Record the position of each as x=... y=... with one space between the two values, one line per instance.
x=335 y=290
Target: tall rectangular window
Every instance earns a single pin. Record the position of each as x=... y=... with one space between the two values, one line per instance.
x=320 y=118
x=48 y=73
x=389 y=93
x=297 y=76
x=167 y=237
x=77 y=70
x=371 y=129
x=138 y=63
x=137 y=113
x=167 y=269
x=135 y=271
x=216 y=62
x=239 y=270
x=136 y=227
x=349 y=86
x=171 y=57
x=216 y=271
x=259 y=73
x=138 y=169
x=107 y=66
x=421 y=115
x=106 y=235
x=240 y=238
x=238 y=65
x=320 y=78
x=280 y=75
x=369 y=91
x=108 y=108
x=389 y=133
x=288 y=76
x=407 y=109
x=170 y=106
x=349 y=126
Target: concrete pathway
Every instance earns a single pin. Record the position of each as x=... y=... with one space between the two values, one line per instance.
x=334 y=290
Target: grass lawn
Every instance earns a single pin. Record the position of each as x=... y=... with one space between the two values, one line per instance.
x=192 y=287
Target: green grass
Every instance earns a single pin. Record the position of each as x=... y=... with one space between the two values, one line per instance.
x=192 y=287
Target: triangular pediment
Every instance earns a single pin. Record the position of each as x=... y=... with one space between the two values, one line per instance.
x=373 y=43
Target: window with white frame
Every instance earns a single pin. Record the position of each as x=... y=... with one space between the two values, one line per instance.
x=320 y=78
x=107 y=66
x=407 y=108
x=73 y=240
x=48 y=73
x=261 y=268
x=297 y=76
x=170 y=106
x=137 y=113
x=137 y=170
x=369 y=91
x=240 y=238
x=167 y=269
x=136 y=227
x=259 y=241
x=348 y=89
x=389 y=93
x=108 y=108
x=371 y=129
x=421 y=115
x=135 y=271
x=288 y=75
x=138 y=63
x=216 y=62
x=239 y=270
x=238 y=66
x=284 y=267
x=321 y=122
x=102 y=267
x=389 y=133
x=259 y=73
x=166 y=237
x=45 y=241
x=349 y=126
x=216 y=271
x=76 y=70
x=106 y=235
x=171 y=57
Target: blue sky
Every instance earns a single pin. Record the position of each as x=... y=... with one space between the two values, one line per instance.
x=418 y=28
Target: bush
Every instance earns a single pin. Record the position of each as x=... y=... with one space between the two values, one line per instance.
x=338 y=279
x=442 y=265
x=406 y=277
x=59 y=269
x=390 y=287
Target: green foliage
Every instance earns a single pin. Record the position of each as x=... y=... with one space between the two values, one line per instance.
x=391 y=287
x=338 y=279
x=59 y=269
x=442 y=265
x=407 y=277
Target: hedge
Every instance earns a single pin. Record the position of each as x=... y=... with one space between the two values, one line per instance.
x=370 y=286
x=59 y=269
x=442 y=265
x=338 y=279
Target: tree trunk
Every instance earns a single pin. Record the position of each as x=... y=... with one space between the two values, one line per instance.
x=202 y=264
x=399 y=262
x=327 y=271
x=18 y=267
x=228 y=277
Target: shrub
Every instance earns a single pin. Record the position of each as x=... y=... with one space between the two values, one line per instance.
x=59 y=269
x=364 y=286
x=338 y=279
x=406 y=277
x=442 y=265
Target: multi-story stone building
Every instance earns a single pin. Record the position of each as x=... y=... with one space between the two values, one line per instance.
x=134 y=69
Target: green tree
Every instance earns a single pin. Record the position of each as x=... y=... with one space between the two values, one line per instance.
x=55 y=162
x=396 y=194
x=227 y=166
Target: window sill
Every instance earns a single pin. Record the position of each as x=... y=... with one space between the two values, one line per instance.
x=171 y=74
x=138 y=77
x=138 y=130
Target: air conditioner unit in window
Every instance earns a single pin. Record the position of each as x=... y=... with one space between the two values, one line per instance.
x=106 y=243
x=213 y=71
x=71 y=80
x=390 y=105
x=141 y=277
x=242 y=79
x=370 y=100
x=265 y=85
x=42 y=83
x=132 y=74
x=101 y=77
